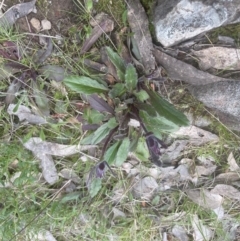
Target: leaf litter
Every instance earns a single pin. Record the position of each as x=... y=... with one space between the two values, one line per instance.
x=144 y=188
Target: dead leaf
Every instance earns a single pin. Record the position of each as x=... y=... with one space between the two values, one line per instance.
x=53 y=72
x=43 y=54
x=105 y=26
x=204 y=171
x=36 y=144
x=95 y=65
x=12 y=91
x=118 y=213
x=69 y=174
x=226 y=191
x=15 y=12
x=195 y=135
x=47 y=165
x=173 y=151
x=233 y=166
x=201 y=232
x=180 y=233
x=144 y=188
x=25 y=114
x=44 y=150
x=218 y=58
x=205 y=198
x=228 y=177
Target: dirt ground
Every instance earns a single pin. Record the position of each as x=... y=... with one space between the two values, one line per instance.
x=58 y=12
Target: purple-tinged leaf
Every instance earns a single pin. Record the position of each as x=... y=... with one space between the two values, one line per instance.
x=89 y=127
x=98 y=103
x=12 y=90
x=43 y=55
x=54 y=72
x=154 y=144
x=100 y=169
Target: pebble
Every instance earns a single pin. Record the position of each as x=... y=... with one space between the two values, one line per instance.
x=35 y=23
x=46 y=25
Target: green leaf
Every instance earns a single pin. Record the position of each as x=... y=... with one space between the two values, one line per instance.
x=147 y=108
x=117 y=90
x=118 y=63
x=111 y=153
x=87 y=140
x=134 y=142
x=142 y=148
x=70 y=197
x=84 y=85
x=100 y=134
x=131 y=77
x=122 y=152
x=95 y=186
x=142 y=95
x=88 y=5
x=41 y=99
x=124 y=17
x=158 y=125
x=92 y=116
x=112 y=123
x=167 y=110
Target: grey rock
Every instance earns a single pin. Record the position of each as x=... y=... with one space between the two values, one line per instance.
x=223 y=98
x=178 y=20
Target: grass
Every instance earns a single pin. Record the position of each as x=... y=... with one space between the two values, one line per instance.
x=28 y=205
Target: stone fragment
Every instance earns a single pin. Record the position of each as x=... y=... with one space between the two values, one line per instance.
x=36 y=24
x=46 y=25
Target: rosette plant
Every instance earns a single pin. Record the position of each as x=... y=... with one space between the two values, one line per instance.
x=114 y=106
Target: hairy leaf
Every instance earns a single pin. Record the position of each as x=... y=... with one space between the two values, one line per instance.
x=158 y=125
x=111 y=153
x=100 y=134
x=142 y=95
x=95 y=187
x=112 y=123
x=122 y=152
x=84 y=85
x=92 y=116
x=117 y=90
x=167 y=110
x=131 y=77
x=118 y=63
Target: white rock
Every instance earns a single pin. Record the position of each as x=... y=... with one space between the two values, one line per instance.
x=35 y=23
x=46 y=25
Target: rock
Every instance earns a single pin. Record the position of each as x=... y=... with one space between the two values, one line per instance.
x=36 y=24
x=223 y=98
x=46 y=25
x=218 y=58
x=177 y=21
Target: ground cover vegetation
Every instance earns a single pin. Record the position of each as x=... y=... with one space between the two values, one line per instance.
x=125 y=117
